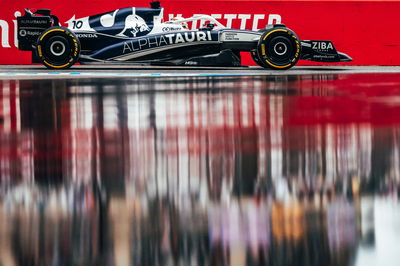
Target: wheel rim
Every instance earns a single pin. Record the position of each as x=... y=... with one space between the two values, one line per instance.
x=57 y=48
x=280 y=50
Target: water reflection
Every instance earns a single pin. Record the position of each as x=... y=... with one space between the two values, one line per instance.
x=298 y=170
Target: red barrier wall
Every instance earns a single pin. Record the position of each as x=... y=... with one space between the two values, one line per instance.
x=365 y=30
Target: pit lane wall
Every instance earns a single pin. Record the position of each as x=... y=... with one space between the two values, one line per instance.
x=365 y=30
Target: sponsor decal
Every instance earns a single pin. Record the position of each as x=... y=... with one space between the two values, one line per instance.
x=34 y=21
x=229 y=36
x=191 y=63
x=322 y=46
x=126 y=22
x=325 y=56
x=165 y=40
x=24 y=33
x=167 y=29
x=134 y=25
x=86 y=35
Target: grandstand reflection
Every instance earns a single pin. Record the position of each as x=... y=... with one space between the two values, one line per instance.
x=291 y=170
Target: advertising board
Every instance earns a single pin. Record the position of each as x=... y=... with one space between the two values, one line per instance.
x=365 y=30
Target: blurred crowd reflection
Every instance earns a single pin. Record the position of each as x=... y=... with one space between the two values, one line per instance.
x=298 y=170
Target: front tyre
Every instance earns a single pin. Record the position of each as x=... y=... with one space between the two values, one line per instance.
x=256 y=59
x=279 y=48
x=58 y=48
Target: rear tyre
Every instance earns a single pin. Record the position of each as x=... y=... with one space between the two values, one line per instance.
x=278 y=48
x=58 y=48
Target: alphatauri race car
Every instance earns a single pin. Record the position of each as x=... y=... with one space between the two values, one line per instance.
x=139 y=36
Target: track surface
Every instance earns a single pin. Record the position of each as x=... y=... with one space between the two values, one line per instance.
x=183 y=166
x=38 y=71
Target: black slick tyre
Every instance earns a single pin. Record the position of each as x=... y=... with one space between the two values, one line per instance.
x=256 y=59
x=58 y=48
x=278 y=48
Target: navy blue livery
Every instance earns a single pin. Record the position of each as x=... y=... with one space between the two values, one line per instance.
x=140 y=36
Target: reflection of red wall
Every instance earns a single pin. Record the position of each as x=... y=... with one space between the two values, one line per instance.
x=347 y=99
x=363 y=29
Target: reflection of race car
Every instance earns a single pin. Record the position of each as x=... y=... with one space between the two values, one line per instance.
x=139 y=36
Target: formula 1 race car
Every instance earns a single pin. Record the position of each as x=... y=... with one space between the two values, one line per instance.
x=139 y=36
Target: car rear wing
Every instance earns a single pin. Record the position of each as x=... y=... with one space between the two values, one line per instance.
x=31 y=25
